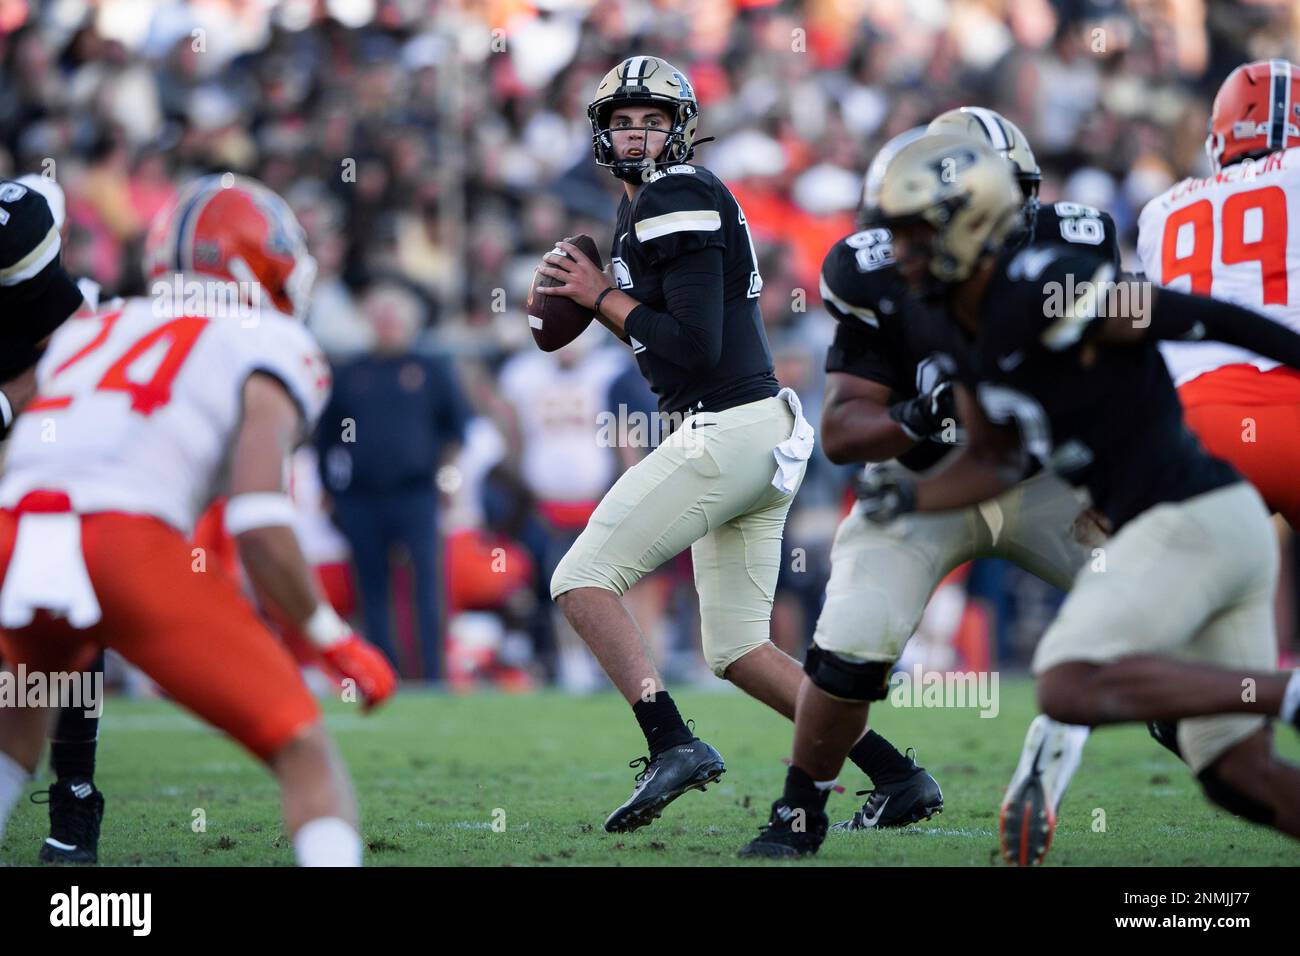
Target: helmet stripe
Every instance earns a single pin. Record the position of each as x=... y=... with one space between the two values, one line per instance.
x=186 y=224
x=635 y=67
x=182 y=227
x=1279 y=106
x=992 y=128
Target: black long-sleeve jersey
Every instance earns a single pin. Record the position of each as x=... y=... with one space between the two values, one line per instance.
x=718 y=361
x=1105 y=417
x=887 y=335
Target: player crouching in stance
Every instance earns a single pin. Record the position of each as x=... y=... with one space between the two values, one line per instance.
x=1177 y=624
x=40 y=295
x=144 y=413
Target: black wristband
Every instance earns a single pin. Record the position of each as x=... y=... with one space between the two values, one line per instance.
x=600 y=298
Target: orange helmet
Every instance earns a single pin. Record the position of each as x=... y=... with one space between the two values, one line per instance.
x=234 y=228
x=1256 y=112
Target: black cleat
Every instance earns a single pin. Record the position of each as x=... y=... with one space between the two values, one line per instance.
x=689 y=766
x=789 y=832
x=76 y=809
x=898 y=803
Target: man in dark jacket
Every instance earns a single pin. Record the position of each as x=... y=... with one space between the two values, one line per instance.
x=394 y=417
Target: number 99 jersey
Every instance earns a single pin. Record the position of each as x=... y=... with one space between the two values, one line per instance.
x=137 y=407
x=1234 y=236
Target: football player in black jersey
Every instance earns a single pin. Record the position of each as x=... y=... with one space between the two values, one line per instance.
x=36 y=296
x=1058 y=367
x=890 y=397
x=684 y=297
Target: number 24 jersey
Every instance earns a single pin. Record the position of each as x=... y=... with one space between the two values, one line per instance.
x=136 y=411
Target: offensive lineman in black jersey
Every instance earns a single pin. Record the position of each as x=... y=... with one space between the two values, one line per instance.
x=1060 y=367
x=684 y=297
x=36 y=296
x=889 y=396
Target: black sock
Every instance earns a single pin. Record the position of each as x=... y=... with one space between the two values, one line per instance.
x=661 y=723
x=75 y=737
x=801 y=791
x=72 y=747
x=878 y=759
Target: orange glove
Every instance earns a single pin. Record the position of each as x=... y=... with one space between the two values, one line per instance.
x=364 y=663
x=349 y=657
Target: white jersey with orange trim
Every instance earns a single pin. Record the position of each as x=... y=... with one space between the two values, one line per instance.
x=1234 y=236
x=560 y=413
x=137 y=408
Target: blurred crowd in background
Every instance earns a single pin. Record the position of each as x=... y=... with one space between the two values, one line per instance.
x=435 y=150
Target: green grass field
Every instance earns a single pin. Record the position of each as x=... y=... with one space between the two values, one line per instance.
x=435 y=772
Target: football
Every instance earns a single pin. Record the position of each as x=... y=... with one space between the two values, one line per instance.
x=555 y=320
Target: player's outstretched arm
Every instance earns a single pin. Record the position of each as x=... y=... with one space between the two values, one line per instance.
x=260 y=514
x=1180 y=316
x=856 y=424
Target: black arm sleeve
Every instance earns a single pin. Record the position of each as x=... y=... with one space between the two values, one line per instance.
x=1177 y=315
x=689 y=334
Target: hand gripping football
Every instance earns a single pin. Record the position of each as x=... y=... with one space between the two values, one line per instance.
x=555 y=320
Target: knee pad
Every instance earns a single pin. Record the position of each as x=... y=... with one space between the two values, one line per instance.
x=1233 y=800
x=1165 y=733
x=846 y=679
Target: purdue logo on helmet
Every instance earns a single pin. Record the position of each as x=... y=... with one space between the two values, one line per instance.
x=644 y=81
x=1000 y=133
x=962 y=189
x=1256 y=112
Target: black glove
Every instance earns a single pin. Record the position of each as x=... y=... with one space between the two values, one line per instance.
x=884 y=494
x=928 y=414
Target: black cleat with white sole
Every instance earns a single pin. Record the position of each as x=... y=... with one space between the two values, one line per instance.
x=688 y=766
x=76 y=811
x=897 y=803
x=790 y=832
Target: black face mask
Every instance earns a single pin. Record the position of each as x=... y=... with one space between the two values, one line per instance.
x=636 y=170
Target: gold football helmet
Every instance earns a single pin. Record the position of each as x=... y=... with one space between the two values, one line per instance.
x=644 y=80
x=959 y=187
x=1000 y=133
x=876 y=171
